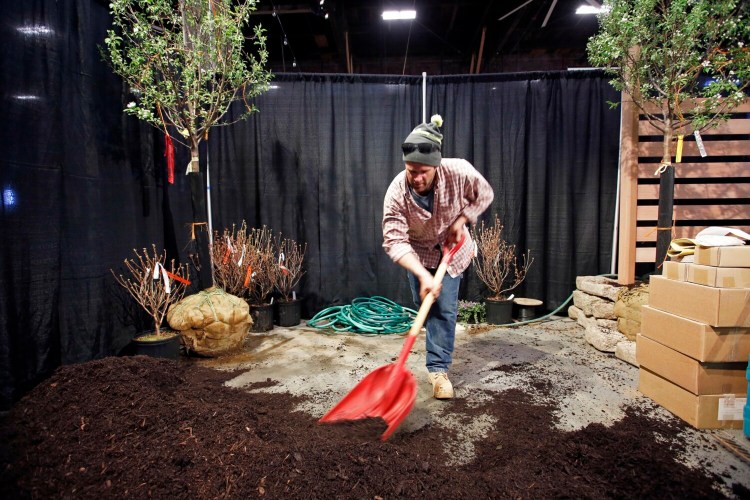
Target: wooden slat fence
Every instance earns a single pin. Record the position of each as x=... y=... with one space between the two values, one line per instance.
x=709 y=191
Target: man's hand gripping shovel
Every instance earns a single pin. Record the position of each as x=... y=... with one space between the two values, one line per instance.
x=389 y=392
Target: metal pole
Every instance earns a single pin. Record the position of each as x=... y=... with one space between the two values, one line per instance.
x=208 y=209
x=424 y=97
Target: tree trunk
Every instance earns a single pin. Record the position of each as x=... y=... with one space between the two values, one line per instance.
x=194 y=166
x=666 y=198
x=200 y=220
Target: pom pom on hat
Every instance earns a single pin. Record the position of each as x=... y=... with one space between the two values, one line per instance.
x=424 y=143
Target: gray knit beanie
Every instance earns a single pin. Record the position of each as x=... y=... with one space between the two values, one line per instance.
x=424 y=143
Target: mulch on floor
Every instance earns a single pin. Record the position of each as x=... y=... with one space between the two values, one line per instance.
x=145 y=427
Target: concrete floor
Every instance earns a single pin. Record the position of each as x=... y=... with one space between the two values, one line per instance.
x=589 y=386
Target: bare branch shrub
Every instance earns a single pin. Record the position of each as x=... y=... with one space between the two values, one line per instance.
x=291 y=254
x=154 y=286
x=496 y=263
x=263 y=275
x=231 y=261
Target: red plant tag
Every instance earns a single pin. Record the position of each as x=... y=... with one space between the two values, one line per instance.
x=169 y=153
x=178 y=278
x=248 y=274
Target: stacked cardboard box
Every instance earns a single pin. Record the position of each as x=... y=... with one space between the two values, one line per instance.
x=695 y=338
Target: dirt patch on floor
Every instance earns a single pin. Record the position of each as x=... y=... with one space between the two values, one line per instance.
x=144 y=427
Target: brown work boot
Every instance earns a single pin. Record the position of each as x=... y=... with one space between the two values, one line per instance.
x=441 y=386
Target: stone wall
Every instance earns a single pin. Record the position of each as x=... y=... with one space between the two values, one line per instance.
x=609 y=313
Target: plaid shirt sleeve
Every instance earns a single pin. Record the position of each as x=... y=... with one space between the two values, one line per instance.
x=459 y=190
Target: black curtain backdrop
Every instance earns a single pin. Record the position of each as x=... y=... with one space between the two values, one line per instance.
x=83 y=184
x=315 y=161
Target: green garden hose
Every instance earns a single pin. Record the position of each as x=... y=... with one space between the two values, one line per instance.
x=550 y=314
x=377 y=315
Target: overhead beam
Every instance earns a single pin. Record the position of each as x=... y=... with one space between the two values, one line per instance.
x=348 y=56
x=269 y=12
x=481 y=49
x=516 y=9
x=549 y=13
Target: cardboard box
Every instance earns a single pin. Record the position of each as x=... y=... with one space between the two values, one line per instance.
x=737 y=256
x=723 y=277
x=705 y=304
x=697 y=340
x=697 y=377
x=674 y=270
x=713 y=411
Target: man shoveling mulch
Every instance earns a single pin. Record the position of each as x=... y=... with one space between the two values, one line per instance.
x=138 y=427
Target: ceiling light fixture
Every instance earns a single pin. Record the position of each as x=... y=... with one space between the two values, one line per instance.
x=35 y=30
x=590 y=9
x=396 y=15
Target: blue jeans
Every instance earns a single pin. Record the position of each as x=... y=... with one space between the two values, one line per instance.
x=441 y=322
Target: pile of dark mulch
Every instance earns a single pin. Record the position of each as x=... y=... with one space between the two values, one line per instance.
x=137 y=427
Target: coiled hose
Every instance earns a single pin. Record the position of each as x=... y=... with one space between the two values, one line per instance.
x=377 y=315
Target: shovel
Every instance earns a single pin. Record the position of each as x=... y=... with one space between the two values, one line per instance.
x=389 y=392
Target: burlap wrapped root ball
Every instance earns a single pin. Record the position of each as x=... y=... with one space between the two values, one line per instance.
x=212 y=322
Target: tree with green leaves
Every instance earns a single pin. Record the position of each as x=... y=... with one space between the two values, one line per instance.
x=186 y=62
x=684 y=63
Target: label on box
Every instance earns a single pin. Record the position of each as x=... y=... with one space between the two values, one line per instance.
x=731 y=408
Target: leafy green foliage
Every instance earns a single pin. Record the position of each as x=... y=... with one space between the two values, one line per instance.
x=657 y=50
x=186 y=62
x=471 y=312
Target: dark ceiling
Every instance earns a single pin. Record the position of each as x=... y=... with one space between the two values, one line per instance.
x=447 y=37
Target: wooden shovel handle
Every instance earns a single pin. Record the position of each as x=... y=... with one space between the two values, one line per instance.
x=429 y=299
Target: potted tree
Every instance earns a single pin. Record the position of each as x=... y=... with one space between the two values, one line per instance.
x=185 y=62
x=290 y=257
x=684 y=63
x=496 y=264
x=155 y=288
x=261 y=277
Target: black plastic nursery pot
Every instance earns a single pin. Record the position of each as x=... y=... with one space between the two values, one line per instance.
x=499 y=312
x=165 y=345
x=288 y=313
x=262 y=315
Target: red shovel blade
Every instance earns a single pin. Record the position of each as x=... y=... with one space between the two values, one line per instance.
x=388 y=392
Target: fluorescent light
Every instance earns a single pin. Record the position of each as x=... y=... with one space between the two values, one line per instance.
x=590 y=9
x=392 y=15
x=35 y=30
x=26 y=97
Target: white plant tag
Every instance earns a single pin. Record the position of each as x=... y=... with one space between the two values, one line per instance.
x=242 y=257
x=158 y=265
x=731 y=408
x=699 y=142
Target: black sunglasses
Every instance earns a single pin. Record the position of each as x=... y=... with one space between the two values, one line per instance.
x=423 y=147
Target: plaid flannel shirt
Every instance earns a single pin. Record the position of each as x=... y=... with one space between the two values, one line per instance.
x=459 y=190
